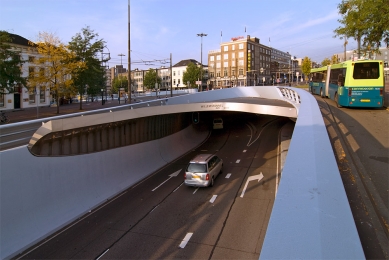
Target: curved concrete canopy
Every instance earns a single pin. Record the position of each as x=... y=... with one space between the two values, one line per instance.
x=246 y=104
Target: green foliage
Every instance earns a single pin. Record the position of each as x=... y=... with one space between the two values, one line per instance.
x=334 y=59
x=87 y=47
x=151 y=78
x=325 y=62
x=119 y=82
x=192 y=74
x=10 y=65
x=306 y=66
x=364 y=20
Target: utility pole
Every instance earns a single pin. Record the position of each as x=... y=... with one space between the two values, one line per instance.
x=201 y=60
x=129 y=56
x=121 y=82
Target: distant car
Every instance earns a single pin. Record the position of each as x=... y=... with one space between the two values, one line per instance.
x=202 y=170
x=217 y=123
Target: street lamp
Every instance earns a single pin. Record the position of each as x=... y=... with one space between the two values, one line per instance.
x=102 y=97
x=201 y=59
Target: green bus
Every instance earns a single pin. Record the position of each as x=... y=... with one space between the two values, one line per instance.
x=350 y=83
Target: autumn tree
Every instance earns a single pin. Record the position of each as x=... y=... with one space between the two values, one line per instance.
x=10 y=65
x=367 y=21
x=151 y=78
x=119 y=82
x=86 y=47
x=54 y=67
x=325 y=62
x=334 y=59
x=192 y=74
x=306 y=66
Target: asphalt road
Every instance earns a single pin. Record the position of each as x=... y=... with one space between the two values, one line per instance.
x=160 y=217
x=360 y=139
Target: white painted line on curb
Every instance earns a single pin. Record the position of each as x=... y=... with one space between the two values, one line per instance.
x=213 y=198
x=185 y=240
x=228 y=175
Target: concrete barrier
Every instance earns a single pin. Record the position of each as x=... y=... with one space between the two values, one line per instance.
x=43 y=194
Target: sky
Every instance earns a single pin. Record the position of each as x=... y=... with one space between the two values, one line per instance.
x=159 y=28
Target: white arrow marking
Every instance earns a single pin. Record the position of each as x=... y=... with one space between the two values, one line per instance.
x=185 y=240
x=251 y=178
x=170 y=176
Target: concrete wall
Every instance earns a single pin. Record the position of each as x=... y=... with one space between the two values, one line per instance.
x=39 y=195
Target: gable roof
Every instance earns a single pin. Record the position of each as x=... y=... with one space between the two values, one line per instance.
x=186 y=62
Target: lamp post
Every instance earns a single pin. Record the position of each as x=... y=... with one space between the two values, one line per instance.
x=201 y=59
x=102 y=97
x=121 y=56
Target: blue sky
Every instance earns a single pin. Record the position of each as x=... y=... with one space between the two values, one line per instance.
x=160 y=27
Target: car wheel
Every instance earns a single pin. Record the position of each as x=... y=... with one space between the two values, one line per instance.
x=212 y=182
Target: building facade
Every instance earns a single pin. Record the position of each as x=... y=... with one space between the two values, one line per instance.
x=243 y=61
x=21 y=96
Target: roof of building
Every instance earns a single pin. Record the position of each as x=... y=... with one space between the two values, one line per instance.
x=17 y=39
x=186 y=62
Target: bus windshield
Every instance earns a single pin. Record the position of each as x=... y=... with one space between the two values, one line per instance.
x=366 y=70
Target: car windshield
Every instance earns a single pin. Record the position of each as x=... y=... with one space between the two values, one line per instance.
x=196 y=167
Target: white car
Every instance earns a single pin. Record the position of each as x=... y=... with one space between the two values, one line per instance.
x=202 y=170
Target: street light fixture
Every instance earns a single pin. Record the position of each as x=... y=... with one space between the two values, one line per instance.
x=201 y=59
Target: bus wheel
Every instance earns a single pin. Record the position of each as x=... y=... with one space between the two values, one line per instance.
x=337 y=100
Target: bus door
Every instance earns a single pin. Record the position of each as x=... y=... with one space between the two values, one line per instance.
x=327 y=81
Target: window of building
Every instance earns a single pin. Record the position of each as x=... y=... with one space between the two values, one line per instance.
x=233 y=64
x=226 y=48
x=212 y=65
x=233 y=55
x=241 y=63
x=174 y=73
x=179 y=73
x=248 y=46
x=212 y=58
x=31 y=97
x=31 y=58
x=226 y=56
x=179 y=81
x=42 y=95
x=218 y=73
x=240 y=72
x=174 y=81
x=232 y=72
x=31 y=72
x=218 y=65
x=233 y=47
x=225 y=64
x=218 y=57
x=241 y=54
x=2 y=97
x=212 y=74
x=225 y=73
x=240 y=46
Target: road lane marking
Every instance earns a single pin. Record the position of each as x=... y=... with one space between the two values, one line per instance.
x=212 y=200
x=244 y=151
x=185 y=240
x=237 y=161
x=195 y=190
x=251 y=178
x=178 y=187
x=174 y=174
x=102 y=254
x=228 y=175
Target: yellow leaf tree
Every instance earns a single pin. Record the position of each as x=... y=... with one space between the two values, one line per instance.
x=53 y=67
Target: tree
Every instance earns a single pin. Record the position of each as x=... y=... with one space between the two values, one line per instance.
x=306 y=66
x=119 y=82
x=10 y=65
x=86 y=46
x=364 y=20
x=55 y=65
x=151 y=78
x=192 y=74
x=326 y=62
x=334 y=59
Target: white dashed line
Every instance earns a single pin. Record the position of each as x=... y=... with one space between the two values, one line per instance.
x=186 y=240
x=213 y=198
x=228 y=175
x=237 y=161
x=244 y=151
x=195 y=190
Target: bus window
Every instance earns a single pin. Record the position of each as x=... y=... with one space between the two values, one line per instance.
x=366 y=70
